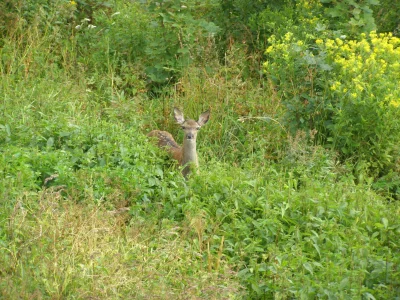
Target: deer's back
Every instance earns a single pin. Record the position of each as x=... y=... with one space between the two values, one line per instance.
x=166 y=140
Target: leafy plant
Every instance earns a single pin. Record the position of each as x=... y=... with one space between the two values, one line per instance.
x=345 y=90
x=386 y=17
x=365 y=118
x=84 y=195
x=351 y=17
x=174 y=35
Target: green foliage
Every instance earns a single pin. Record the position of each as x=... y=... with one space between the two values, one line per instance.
x=233 y=16
x=296 y=71
x=175 y=33
x=351 y=17
x=366 y=118
x=346 y=90
x=387 y=16
x=84 y=195
x=311 y=225
x=253 y=22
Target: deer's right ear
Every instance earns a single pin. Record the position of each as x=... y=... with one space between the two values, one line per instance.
x=178 y=116
x=203 y=119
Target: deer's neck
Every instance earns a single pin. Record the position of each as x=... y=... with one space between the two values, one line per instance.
x=189 y=154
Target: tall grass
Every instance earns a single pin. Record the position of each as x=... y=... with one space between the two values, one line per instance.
x=90 y=209
x=61 y=249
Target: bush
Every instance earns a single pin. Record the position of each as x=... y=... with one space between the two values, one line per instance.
x=387 y=16
x=300 y=236
x=345 y=89
x=366 y=113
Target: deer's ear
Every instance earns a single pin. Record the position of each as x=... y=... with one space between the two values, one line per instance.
x=204 y=117
x=178 y=116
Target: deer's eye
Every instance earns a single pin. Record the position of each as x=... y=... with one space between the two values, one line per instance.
x=183 y=127
x=198 y=128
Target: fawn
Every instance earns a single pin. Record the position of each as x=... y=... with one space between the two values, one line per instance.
x=185 y=155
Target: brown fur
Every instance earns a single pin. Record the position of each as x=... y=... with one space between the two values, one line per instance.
x=166 y=140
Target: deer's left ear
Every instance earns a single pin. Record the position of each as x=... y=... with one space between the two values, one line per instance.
x=178 y=116
x=204 y=117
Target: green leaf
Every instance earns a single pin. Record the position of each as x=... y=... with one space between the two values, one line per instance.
x=368 y=296
x=308 y=267
x=6 y=128
x=356 y=12
x=325 y=67
x=317 y=248
x=373 y=2
x=50 y=142
x=355 y=22
x=256 y=288
x=320 y=27
x=385 y=223
x=344 y=283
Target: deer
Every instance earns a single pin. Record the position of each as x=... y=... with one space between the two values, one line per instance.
x=185 y=155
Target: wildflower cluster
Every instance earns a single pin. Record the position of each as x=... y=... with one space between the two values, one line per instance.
x=292 y=67
x=364 y=89
x=365 y=70
x=283 y=52
x=309 y=13
x=346 y=89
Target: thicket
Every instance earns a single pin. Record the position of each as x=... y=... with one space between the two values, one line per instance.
x=297 y=195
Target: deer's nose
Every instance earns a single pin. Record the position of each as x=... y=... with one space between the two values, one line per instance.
x=190 y=136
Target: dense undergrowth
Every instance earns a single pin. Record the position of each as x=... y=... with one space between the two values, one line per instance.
x=285 y=206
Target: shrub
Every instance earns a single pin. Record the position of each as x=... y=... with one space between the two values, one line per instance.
x=366 y=112
x=347 y=90
x=310 y=235
x=350 y=17
x=387 y=16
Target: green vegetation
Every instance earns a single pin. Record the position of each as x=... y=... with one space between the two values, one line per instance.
x=347 y=91
x=298 y=194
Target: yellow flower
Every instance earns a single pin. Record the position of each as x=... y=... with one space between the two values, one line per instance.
x=269 y=49
x=339 y=41
x=359 y=87
x=395 y=103
x=335 y=85
x=272 y=39
x=330 y=44
x=72 y=3
x=288 y=36
x=364 y=45
x=373 y=34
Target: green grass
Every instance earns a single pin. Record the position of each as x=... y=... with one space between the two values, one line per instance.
x=89 y=208
x=61 y=249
